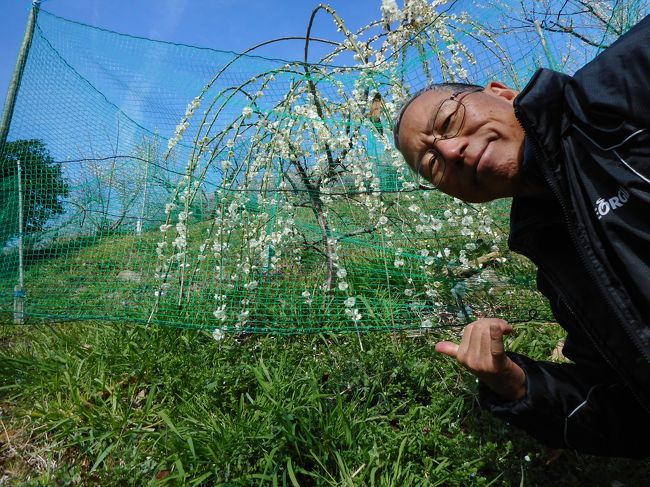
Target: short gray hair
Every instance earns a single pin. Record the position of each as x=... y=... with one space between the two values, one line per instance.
x=448 y=86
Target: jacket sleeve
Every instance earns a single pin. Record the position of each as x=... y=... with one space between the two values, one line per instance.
x=577 y=407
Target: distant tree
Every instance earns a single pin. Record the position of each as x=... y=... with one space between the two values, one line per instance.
x=43 y=187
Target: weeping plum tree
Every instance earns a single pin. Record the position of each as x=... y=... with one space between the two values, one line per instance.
x=309 y=145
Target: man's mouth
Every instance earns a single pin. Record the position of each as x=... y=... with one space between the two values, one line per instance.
x=480 y=160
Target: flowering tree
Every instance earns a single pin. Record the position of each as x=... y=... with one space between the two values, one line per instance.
x=314 y=210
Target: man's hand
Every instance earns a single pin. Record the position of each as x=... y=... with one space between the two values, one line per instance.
x=481 y=351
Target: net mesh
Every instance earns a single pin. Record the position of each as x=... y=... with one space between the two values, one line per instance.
x=175 y=185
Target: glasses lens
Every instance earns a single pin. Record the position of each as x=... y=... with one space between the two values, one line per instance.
x=449 y=119
x=432 y=170
x=437 y=168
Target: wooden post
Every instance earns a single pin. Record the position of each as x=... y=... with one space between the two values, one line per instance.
x=16 y=78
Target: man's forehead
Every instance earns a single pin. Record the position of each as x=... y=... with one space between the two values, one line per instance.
x=419 y=112
x=431 y=98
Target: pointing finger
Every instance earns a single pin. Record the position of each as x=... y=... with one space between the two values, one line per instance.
x=447 y=348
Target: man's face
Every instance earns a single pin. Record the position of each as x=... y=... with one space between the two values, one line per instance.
x=483 y=161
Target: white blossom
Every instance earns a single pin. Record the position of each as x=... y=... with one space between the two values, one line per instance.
x=467 y=221
x=390 y=11
x=354 y=314
x=220 y=313
x=242 y=318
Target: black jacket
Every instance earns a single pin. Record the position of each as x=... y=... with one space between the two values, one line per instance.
x=589 y=136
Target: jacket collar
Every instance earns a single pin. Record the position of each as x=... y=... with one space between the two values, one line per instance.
x=539 y=108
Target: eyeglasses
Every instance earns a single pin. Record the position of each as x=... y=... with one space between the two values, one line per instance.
x=446 y=123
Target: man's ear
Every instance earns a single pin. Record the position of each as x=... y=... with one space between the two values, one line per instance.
x=500 y=90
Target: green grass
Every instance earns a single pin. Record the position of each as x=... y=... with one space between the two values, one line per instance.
x=98 y=404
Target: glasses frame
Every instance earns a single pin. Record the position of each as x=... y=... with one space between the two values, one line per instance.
x=458 y=97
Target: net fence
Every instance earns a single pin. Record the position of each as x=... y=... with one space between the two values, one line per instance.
x=161 y=183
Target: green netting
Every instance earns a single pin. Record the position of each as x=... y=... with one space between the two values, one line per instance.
x=169 y=184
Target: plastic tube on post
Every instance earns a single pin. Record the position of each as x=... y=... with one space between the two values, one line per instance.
x=19 y=292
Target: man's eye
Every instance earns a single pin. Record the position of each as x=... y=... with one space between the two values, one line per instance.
x=433 y=161
x=444 y=129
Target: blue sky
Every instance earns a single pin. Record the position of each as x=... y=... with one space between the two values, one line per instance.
x=221 y=24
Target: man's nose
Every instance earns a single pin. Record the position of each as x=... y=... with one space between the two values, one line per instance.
x=452 y=149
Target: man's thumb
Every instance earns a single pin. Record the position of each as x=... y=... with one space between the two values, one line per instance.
x=448 y=348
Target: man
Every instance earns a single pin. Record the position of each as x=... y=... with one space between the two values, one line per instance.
x=574 y=153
